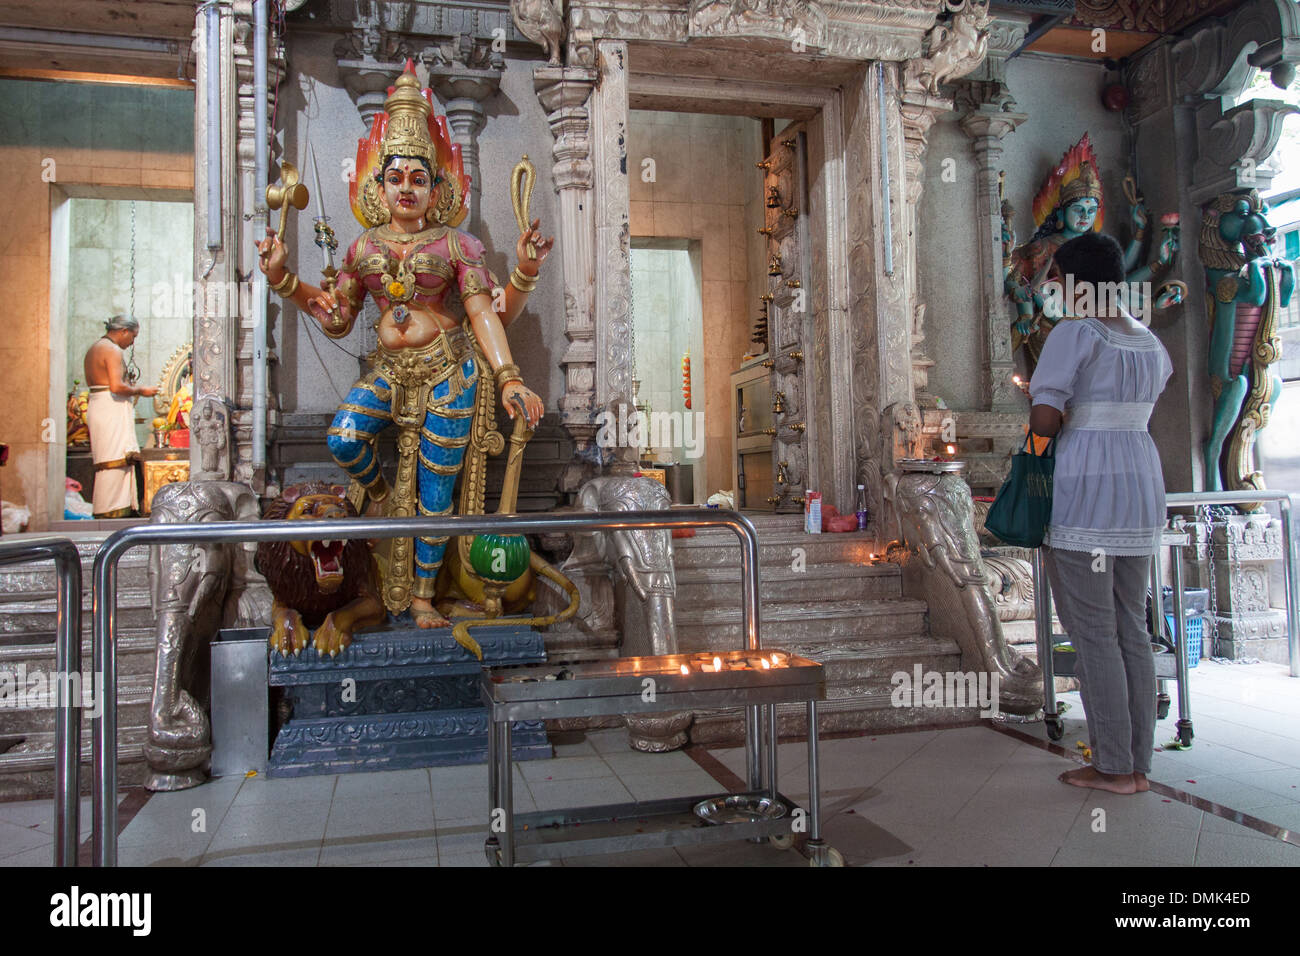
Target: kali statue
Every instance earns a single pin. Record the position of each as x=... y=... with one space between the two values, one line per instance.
x=1068 y=205
x=435 y=376
x=1245 y=287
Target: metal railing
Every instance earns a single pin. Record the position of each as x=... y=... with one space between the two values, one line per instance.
x=104 y=728
x=67 y=661
x=1287 y=502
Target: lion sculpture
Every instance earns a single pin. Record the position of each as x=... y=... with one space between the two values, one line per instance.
x=323 y=590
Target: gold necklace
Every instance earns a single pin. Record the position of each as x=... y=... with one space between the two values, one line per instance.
x=406 y=238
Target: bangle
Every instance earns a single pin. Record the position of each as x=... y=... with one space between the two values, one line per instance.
x=521 y=281
x=287 y=286
x=507 y=373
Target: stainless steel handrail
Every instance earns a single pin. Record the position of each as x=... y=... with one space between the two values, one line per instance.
x=67 y=661
x=1287 y=501
x=104 y=728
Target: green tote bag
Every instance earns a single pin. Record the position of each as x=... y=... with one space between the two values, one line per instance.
x=1023 y=508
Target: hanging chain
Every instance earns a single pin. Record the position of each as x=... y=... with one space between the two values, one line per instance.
x=133 y=372
x=1208 y=518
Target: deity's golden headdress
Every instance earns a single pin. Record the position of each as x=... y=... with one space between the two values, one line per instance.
x=1074 y=177
x=408 y=127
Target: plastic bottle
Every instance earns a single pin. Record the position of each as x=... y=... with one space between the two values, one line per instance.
x=862 y=508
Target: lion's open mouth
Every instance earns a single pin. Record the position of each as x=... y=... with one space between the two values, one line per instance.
x=327 y=557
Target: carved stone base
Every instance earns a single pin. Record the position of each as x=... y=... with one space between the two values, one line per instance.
x=397 y=698
x=658 y=733
x=1253 y=634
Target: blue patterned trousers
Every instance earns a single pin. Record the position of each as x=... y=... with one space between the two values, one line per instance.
x=444 y=434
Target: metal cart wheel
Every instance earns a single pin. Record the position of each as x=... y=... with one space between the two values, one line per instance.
x=824 y=855
x=493 y=853
x=1055 y=726
x=1162 y=706
x=782 y=841
x=1185 y=733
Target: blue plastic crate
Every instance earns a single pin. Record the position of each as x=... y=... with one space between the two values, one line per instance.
x=1195 y=629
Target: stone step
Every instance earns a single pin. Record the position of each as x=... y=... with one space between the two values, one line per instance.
x=134 y=694
x=37 y=581
x=27 y=769
x=136 y=653
x=38 y=617
x=710 y=548
x=846 y=625
x=698 y=587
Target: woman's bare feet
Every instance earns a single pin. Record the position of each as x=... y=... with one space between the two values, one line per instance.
x=1140 y=781
x=425 y=616
x=1094 y=779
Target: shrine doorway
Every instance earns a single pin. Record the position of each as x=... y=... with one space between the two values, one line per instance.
x=116 y=251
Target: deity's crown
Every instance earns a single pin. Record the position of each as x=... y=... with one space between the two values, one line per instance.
x=1074 y=177
x=409 y=127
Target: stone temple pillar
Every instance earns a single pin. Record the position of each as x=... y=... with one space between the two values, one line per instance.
x=463 y=74
x=564 y=93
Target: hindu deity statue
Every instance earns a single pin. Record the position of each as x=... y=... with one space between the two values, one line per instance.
x=435 y=376
x=1245 y=286
x=1068 y=204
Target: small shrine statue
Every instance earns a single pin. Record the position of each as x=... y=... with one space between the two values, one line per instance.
x=1245 y=287
x=434 y=374
x=1069 y=204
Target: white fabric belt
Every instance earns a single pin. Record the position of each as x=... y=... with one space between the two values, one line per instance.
x=1110 y=416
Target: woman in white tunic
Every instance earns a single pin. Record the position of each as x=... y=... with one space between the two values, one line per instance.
x=1096 y=384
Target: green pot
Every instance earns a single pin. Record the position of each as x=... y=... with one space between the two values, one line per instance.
x=499 y=557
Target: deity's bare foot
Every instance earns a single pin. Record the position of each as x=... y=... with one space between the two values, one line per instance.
x=1094 y=779
x=1140 y=781
x=424 y=615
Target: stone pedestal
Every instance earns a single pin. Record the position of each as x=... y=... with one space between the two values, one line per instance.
x=395 y=699
x=1240 y=550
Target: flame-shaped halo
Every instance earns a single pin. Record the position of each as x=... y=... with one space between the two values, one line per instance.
x=1064 y=173
x=451 y=185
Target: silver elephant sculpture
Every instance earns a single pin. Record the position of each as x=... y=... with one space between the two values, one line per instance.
x=196 y=590
x=936 y=516
x=642 y=561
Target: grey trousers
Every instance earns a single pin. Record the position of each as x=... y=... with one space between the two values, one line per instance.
x=1104 y=613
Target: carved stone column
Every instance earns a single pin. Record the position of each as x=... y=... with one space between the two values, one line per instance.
x=613 y=268
x=216 y=337
x=564 y=93
x=988 y=115
x=986 y=123
x=250 y=221
x=370 y=59
x=920 y=109
x=463 y=73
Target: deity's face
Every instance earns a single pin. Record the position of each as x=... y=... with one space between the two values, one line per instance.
x=1080 y=215
x=408 y=186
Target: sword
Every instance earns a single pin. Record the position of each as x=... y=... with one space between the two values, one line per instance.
x=325 y=238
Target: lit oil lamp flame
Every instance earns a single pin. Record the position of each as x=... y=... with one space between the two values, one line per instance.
x=717 y=663
x=686 y=670
x=952 y=449
x=766 y=665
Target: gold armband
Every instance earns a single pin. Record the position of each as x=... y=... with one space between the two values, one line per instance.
x=287 y=286
x=521 y=281
x=508 y=373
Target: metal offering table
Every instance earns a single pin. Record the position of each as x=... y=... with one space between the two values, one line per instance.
x=756 y=680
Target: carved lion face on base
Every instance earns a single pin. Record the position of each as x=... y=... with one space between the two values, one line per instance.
x=315 y=501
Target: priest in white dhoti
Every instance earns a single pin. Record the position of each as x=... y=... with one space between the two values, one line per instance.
x=110 y=416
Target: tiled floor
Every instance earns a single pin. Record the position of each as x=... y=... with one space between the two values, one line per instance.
x=966 y=796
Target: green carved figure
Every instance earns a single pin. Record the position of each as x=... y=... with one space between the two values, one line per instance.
x=1245 y=286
